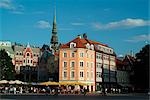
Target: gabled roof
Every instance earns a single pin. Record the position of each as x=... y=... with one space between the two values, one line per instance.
x=98 y=43
x=80 y=43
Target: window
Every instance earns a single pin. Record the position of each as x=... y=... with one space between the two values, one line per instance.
x=72 y=65
x=88 y=45
x=87 y=55
x=92 y=75
x=98 y=74
x=81 y=64
x=92 y=47
x=99 y=47
x=98 y=56
x=87 y=64
x=81 y=74
x=81 y=54
x=27 y=54
x=65 y=54
x=65 y=65
x=65 y=74
x=91 y=65
x=72 y=45
x=87 y=74
x=72 y=74
x=98 y=65
x=72 y=54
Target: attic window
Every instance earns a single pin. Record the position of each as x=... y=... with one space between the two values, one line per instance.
x=88 y=45
x=72 y=45
x=92 y=47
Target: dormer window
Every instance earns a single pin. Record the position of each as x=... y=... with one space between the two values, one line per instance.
x=72 y=45
x=88 y=45
x=92 y=46
x=99 y=47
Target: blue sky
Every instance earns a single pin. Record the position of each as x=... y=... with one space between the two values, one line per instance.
x=121 y=24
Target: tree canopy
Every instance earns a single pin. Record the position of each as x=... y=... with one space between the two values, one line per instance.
x=6 y=66
x=141 y=69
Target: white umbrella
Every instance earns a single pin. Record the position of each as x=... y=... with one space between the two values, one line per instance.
x=3 y=81
x=12 y=82
x=19 y=82
x=16 y=82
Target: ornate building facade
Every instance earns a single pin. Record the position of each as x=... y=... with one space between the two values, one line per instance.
x=89 y=62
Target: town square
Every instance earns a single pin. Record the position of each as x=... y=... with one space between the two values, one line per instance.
x=74 y=49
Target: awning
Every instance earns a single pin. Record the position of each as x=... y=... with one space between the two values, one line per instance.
x=49 y=83
x=72 y=83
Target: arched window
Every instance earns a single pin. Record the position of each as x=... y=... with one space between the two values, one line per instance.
x=27 y=54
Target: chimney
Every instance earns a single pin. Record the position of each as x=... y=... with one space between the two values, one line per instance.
x=79 y=36
x=84 y=36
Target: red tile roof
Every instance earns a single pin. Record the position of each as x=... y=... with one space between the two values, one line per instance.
x=80 y=43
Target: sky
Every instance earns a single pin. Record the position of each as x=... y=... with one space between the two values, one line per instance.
x=121 y=24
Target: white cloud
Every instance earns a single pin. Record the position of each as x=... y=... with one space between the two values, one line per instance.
x=126 y=23
x=139 y=38
x=78 y=24
x=42 y=24
x=13 y=8
x=6 y=4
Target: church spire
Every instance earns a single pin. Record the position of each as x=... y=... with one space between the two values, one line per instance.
x=54 y=38
x=54 y=30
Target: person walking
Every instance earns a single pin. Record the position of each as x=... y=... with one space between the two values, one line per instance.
x=84 y=91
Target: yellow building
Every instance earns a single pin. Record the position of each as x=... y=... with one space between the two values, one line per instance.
x=77 y=62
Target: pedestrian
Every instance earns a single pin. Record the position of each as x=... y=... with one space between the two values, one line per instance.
x=84 y=91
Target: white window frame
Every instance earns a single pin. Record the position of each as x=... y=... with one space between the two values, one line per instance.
x=71 y=73
x=65 y=67
x=81 y=54
x=64 y=54
x=71 y=54
x=71 y=64
x=80 y=65
x=81 y=74
x=64 y=74
x=72 y=45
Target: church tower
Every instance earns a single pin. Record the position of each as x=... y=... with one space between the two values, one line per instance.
x=54 y=38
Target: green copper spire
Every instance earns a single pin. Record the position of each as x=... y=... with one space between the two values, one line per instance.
x=54 y=30
x=54 y=38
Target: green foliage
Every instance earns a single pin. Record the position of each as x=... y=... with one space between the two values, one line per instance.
x=6 y=66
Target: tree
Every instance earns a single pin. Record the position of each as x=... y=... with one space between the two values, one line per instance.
x=6 y=66
x=141 y=70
